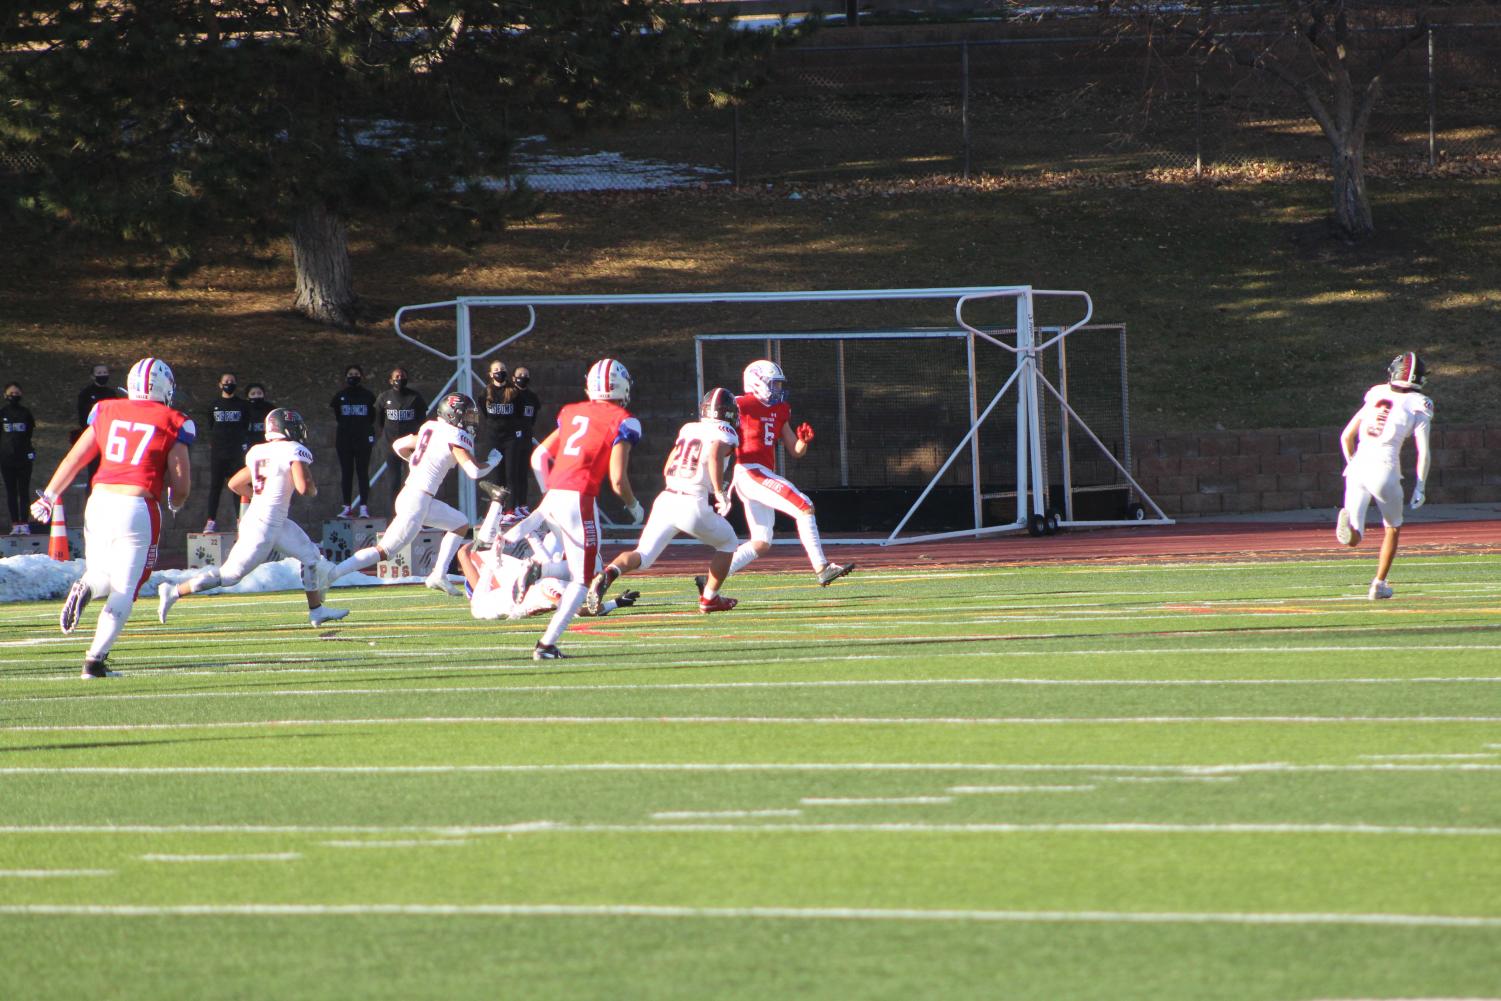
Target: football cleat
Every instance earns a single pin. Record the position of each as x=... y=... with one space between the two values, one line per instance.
x=832 y=572
x=1379 y=589
x=547 y=651
x=321 y=614
x=626 y=599
x=495 y=491
x=78 y=599
x=1343 y=530
x=166 y=596
x=597 y=588
x=701 y=582
x=530 y=576
x=95 y=667
x=718 y=603
x=440 y=582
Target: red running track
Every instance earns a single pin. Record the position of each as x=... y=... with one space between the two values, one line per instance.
x=1196 y=540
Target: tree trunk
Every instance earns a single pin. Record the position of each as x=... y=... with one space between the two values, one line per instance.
x=320 y=255
x=1352 y=209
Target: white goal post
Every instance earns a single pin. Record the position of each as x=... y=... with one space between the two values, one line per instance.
x=1027 y=378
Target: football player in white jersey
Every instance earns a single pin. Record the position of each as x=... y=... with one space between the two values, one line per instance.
x=434 y=449
x=1372 y=444
x=273 y=472
x=695 y=471
x=504 y=584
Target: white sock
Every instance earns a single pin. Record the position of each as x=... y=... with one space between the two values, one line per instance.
x=450 y=545
x=202 y=581
x=111 y=620
x=573 y=599
x=743 y=557
x=367 y=557
x=491 y=523
x=710 y=591
x=807 y=531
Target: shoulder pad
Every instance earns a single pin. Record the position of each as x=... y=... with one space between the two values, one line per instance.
x=188 y=432
x=629 y=431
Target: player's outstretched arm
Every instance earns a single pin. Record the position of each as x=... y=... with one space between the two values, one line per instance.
x=796 y=443
x=80 y=455
x=620 y=480
x=405 y=445
x=1425 y=459
x=465 y=460
x=302 y=480
x=542 y=460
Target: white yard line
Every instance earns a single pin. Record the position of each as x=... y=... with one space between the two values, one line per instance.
x=1250 y=768
x=254 y=857
x=758 y=913
x=558 y=827
x=406 y=843
x=52 y=873
x=750 y=721
x=1424 y=757
x=973 y=790
x=875 y=800
x=722 y=814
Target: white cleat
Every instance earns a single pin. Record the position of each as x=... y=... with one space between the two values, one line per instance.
x=78 y=599
x=166 y=596
x=830 y=573
x=442 y=583
x=323 y=613
x=1379 y=589
x=1343 y=533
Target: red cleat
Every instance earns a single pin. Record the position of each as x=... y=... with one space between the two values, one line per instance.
x=718 y=603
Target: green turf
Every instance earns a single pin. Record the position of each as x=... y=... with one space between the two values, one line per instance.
x=1164 y=781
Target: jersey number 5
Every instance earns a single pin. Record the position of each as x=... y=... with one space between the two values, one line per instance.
x=117 y=443
x=571 y=446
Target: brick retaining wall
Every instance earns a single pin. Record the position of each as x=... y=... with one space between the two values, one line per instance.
x=1231 y=472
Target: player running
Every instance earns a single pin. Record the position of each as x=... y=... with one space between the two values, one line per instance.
x=431 y=451
x=142 y=447
x=695 y=469
x=765 y=419
x=592 y=441
x=273 y=471
x=1372 y=444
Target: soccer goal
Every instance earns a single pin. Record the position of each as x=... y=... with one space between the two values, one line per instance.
x=914 y=407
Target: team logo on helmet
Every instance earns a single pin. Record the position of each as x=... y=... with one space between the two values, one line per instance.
x=1407 y=371
x=764 y=380
x=458 y=410
x=608 y=380
x=719 y=405
x=151 y=379
x=285 y=425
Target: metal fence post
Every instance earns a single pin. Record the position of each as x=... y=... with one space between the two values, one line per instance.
x=1432 y=105
x=735 y=144
x=964 y=102
x=1198 y=129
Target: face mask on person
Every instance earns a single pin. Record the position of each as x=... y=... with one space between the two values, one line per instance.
x=100 y=380
x=227 y=387
x=499 y=378
x=258 y=398
x=353 y=380
x=398 y=384
x=521 y=380
x=12 y=397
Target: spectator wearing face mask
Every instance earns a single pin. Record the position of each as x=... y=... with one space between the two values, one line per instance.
x=497 y=425
x=228 y=420
x=99 y=389
x=354 y=437
x=399 y=411
x=256 y=409
x=525 y=405
x=17 y=456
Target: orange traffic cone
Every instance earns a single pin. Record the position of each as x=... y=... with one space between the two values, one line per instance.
x=57 y=539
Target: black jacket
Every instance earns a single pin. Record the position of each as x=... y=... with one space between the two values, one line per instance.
x=354 y=415
x=90 y=395
x=399 y=412
x=256 y=411
x=228 y=425
x=16 y=427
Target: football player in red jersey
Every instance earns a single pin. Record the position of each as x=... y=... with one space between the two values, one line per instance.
x=142 y=444
x=592 y=443
x=765 y=419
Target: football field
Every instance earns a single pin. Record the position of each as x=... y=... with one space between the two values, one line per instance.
x=1171 y=780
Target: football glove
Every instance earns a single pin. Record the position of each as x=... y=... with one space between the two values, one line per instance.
x=41 y=508
x=636 y=512
x=805 y=432
x=626 y=598
x=722 y=504
x=1417 y=496
x=493 y=459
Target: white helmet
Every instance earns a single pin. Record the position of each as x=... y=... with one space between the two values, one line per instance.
x=151 y=379
x=608 y=380
x=764 y=380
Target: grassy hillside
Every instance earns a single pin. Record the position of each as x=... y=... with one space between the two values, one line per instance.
x=1241 y=312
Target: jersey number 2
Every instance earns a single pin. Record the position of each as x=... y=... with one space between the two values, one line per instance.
x=117 y=443
x=571 y=446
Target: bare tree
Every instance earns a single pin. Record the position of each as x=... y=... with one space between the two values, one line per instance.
x=1334 y=54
